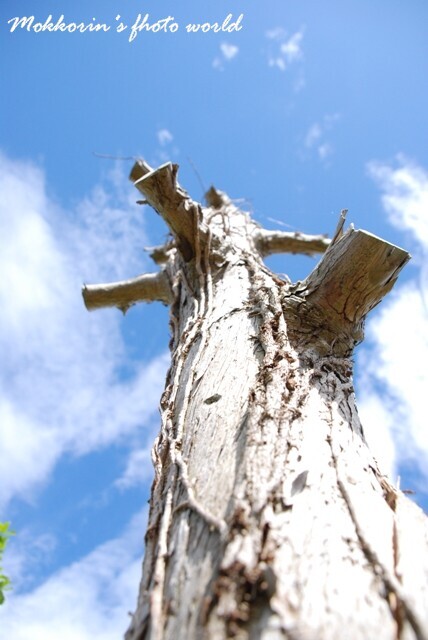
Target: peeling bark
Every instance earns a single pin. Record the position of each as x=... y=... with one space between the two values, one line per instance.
x=269 y=517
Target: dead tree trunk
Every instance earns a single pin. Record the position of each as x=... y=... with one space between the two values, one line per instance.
x=269 y=517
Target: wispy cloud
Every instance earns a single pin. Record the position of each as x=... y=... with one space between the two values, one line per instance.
x=313 y=135
x=394 y=376
x=139 y=469
x=61 y=388
x=284 y=50
x=166 y=149
x=405 y=195
x=164 y=137
x=90 y=599
x=316 y=137
x=227 y=53
x=27 y=555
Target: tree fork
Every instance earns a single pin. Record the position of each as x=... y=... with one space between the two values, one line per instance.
x=269 y=517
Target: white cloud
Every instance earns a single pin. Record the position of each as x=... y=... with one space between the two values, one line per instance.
x=291 y=49
x=88 y=600
x=284 y=50
x=299 y=83
x=26 y=554
x=138 y=470
x=61 y=390
x=398 y=334
x=278 y=33
x=378 y=422
x=164 y=137
x=313 y=134
x=166 y=150
x=325 y=150
x=228 y=52
x=405 y=196
x=277 y=61
x=315 y=137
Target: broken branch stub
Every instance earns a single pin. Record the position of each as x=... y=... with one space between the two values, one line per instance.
x=353 y=276
x=269 y=242
x=357 y=270
x=160 y=254
x=146 y=288
x=164 y=194
x=216 y=199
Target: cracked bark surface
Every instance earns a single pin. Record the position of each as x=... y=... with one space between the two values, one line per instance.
x=269 y=517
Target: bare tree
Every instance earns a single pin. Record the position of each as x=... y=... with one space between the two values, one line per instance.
x=269 y=517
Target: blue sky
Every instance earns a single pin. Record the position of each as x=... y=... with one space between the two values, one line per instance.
x=310 y=108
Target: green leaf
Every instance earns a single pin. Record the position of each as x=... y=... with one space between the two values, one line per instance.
x=5 y=533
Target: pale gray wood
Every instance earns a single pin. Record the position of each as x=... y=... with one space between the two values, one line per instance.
x=164 y=194
x=146 y=288
x=269 y=517
x=270 y=242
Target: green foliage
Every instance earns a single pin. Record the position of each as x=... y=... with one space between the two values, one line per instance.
x=5 y=534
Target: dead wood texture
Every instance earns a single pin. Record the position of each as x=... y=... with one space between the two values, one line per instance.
x=269 y=517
